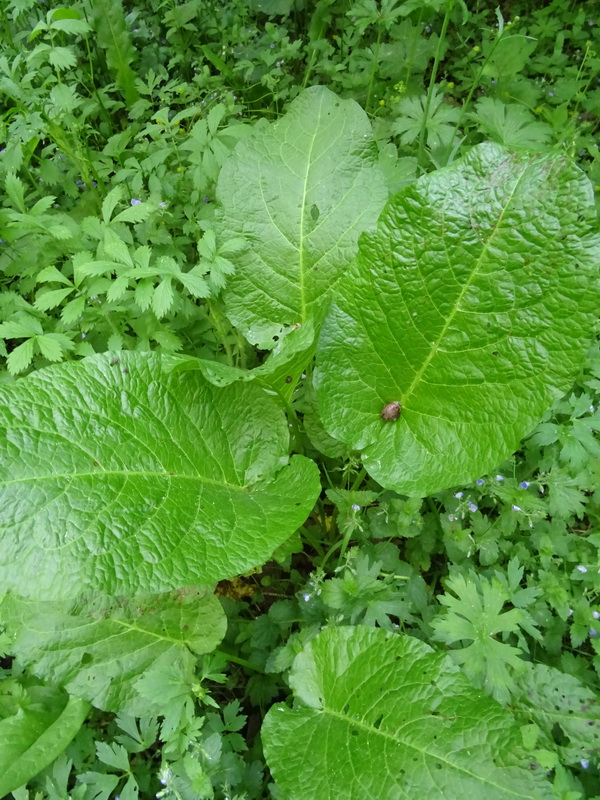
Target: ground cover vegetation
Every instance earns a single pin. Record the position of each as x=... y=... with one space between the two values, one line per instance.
x=299 y=400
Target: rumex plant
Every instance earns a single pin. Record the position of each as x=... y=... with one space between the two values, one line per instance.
x=445 y=321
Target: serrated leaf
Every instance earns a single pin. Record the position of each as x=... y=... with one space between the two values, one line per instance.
x=143 y=294
x=20 y=328
x=97 y=649
x=117 y=289
x=475 y=615
x=319 y=155
x=20 y=358
x=64 y=97
x=15 y=190
x=73 y=26
x=73 y=310
x=31 y=739
x=382 y=715
x=441 y=119
x=47 y=300
x=162 y=298
x=50 y=346
x=195 y=284
x=108 y=204
x=50 y=274
x=62 y=58
x=472 y=305
x=41 y=206
x=167 y=340
x=115 y=342
x=136 y=213
x=91 y=269
x=512 y=124
x=113 y=754
x=115 y=248
x=132 y=480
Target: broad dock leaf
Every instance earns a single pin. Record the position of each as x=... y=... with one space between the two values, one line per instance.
x=299 y=192
x=119 y=478
x=97 y=649
x=382 y=716
x=472 y=305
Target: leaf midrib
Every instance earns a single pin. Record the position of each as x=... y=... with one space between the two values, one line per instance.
x=459 y=299
x=405 y=743
x=301 y=265
x=125 y=473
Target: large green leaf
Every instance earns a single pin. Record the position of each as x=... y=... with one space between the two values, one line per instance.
x=556 y=701
x=97 y=650
x=383 y=716
x=299 y=192
x=471 y=305
x=120 y=478
x=44 y=723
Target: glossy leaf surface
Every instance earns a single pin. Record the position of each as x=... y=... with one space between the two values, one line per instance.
x=382 y=716
x=472 y=305
x=120 y=478
x=299 y=192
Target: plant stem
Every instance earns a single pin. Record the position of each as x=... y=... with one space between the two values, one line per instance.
x=217 y=319
x=241 y=661
x=432 y=79
x=476 y=82
x=373 y=69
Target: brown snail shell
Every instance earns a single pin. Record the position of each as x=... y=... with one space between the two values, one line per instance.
x=391 y=411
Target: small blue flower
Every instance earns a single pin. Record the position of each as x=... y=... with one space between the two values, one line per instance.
x=271 y=45
x=581 y=568
x=593 y=632
x=472 y=507
x=500 y=478
x=79 y=183
x=355 y=507
x=479 y=481
x=135 y=202
x=524 y=484
x=596 y=614
x=163 y=205
x=551 y=94
x=458 y=495
x=584 y=763
x=516 y=508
